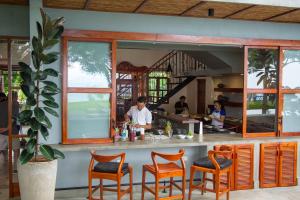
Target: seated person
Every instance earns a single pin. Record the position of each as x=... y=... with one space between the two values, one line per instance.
x=218 y=115
x=181 y=106
x=140 y=115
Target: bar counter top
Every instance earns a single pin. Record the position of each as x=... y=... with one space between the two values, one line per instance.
x=204 y=140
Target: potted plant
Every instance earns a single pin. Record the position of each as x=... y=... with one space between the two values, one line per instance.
x=37 y=166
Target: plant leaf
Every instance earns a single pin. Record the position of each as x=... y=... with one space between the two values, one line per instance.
x=25 y=156
x=48 y=123
x=47 y=96
x=50 y=72
x=58 y=154
x=31 y=133
x=51 y=111
x=50 y=83
x=44 y=132
x=51 y=104
x=31 y=145
x=25 y=68
x=47 y=151
x=49 y=58
x=35 y=125
x=30 y=101
x=39 y=30
x=25 y=115
x=50 y=43
x=39 y=114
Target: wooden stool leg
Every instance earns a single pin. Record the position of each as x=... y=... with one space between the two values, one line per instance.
x=171 y=187
x=229 y=183
x=101 y=189
x=90 y=188
x=143 y=183
x=203 y=183
x=156 y=188
x=130 y=183
x=217 y=186
x=183 y=186
x=119 y=188
x=192 y=172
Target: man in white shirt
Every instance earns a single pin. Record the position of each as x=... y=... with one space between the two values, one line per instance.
x=140 y=115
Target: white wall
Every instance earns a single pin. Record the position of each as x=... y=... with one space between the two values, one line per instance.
x=140 y=57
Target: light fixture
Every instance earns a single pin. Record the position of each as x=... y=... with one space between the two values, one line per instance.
x=211 y=12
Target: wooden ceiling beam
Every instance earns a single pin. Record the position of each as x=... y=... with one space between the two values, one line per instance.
x=140 y=6
x=239 y=11
x=86 y=4
x=197 y=5
x=281 y=14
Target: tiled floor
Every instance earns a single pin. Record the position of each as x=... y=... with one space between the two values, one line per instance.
x=289 y=193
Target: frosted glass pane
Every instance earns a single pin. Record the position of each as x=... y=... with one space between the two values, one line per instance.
x=89 y=64
x=262 y=68
x=290 y=70
x=88 y=115
x=291 y=113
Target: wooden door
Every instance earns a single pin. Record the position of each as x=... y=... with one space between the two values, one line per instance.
x=243 y=166
x=201 y=96
x=269 y=165
x=287 y=164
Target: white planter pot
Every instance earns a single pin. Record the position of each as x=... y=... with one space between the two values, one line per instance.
x=37 y=180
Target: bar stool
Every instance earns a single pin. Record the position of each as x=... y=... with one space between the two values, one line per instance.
x=165 y=170
x=217 y=163
x=105 y=169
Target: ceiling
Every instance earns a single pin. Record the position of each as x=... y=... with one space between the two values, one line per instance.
x=186 y=8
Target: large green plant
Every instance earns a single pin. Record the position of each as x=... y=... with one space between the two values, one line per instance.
x=39 y=88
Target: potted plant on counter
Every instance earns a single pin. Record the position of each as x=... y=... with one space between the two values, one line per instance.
x=37 y=166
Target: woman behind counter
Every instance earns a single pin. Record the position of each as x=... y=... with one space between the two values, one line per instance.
x=218 y=115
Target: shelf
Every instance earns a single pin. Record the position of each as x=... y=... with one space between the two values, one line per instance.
x=235 y=90
x=233 y=104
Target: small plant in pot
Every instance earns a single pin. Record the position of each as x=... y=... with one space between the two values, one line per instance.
x=37 y=166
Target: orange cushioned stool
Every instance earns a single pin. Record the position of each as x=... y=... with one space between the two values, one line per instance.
x=217 y=163
x=106 y=169
x=165 y=170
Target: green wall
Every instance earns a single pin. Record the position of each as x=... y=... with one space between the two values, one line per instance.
x=14 y=20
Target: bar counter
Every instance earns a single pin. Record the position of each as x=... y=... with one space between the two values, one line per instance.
x=205 y=140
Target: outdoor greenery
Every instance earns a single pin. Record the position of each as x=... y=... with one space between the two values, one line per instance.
x=39 y=90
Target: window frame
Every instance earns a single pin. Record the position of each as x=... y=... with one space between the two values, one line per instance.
x=66 y=90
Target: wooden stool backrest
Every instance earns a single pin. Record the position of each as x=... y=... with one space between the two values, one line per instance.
x=169 y=157
x=224 y=152
x=106 y=158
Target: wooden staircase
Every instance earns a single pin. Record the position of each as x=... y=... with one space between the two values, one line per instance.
x=178 y=67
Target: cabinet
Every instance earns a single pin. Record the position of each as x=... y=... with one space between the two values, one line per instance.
x=278 y=164
x=242 y=169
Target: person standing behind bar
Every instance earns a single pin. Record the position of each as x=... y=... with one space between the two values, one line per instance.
x=140 y=115
x=218 y=115
x=181 y=106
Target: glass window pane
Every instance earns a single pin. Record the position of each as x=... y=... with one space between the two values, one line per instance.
x=261 y=113
x=88 y=115
x=291 y=113
x=152 y=84
x=163 y=84
x=89 y=64
x=290 y=70
x=20 y=50
x=262 y=68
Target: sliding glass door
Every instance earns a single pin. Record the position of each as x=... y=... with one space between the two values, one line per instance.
x=271 y=91
x=289 y=92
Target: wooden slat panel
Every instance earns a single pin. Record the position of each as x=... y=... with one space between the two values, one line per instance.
x=288 y=164
x=260 y=12
x=243 y=178
x=71 y=4
x=268 y=165
x=170 y=7
x=114 y=6
x=290 y=17
x=220 y=9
